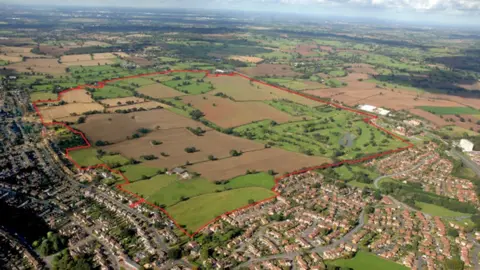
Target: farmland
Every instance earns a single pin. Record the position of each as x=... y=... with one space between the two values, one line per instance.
x=449 y=110
x=208 y=199
x=220 y=110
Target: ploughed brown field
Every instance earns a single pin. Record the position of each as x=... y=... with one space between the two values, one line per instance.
x=51 y=113
x=116 y=127
x=90 y=63
x=78 y=96
x=175 y=140
x=305 y=49
x=227 y=113
x=50 y=66
x=142 y=105
x=249 y=59
x=241 y=89
x=364 y=92
x=159 y=90
x=111 y=102
x=269 y=69
x=140 y=61
x=76 y=58
x=279 y=160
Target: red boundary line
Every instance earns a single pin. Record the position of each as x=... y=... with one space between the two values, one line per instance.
x=368 y=119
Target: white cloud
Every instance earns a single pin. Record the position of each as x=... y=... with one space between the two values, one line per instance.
x=419 y=5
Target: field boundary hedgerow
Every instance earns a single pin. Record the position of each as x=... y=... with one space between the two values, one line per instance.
x=369 y=119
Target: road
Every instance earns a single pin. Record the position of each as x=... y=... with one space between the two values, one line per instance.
x=319 y=249
x=466 y=161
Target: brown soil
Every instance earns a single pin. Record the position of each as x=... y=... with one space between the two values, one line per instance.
x=279 y=160
x=50 y=66
x=159 y=90
x=241 y=89
x=227 y=113
x=144 y=105
x=115 y=127
x=174 y=142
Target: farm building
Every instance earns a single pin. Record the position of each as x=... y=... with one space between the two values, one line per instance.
x=182 y=173
x=466 y=145
x=373 y=109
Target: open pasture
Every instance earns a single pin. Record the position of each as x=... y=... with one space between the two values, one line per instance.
x=116 y=127
x=109 y=91
x=196 y=211
x=175 y=141
x=227 y=113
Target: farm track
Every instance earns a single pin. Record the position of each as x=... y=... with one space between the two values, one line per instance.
x=369 y=119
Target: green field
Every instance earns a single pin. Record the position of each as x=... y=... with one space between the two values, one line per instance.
x=295 y=109
x=85 y=157
x=109 y=91
x=136 y=82
x=457 y=132
x=435 y=210
x=449 y=110
x=287 y=82
x=135 y=172
x=168 y=190
x=337 y=73
x=176 y=195
x=196 y=211
x=90 y=157
x=42 y=96
x=367 y=261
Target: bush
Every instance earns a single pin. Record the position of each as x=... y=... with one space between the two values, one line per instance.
x=191 y=149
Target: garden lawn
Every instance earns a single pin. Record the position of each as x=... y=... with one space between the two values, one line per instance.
x=435 y=210
x=197 y=211
x=367 y=261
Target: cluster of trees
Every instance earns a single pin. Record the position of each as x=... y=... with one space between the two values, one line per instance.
x=235 y=153
x=409 y=194
x=197 y=131
x=65 y=261
x=51 y=244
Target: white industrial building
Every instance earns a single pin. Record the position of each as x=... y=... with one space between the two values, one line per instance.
x=466 y=145
x=373 y=109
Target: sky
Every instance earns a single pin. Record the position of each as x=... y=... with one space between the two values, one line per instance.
x=438 y=11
